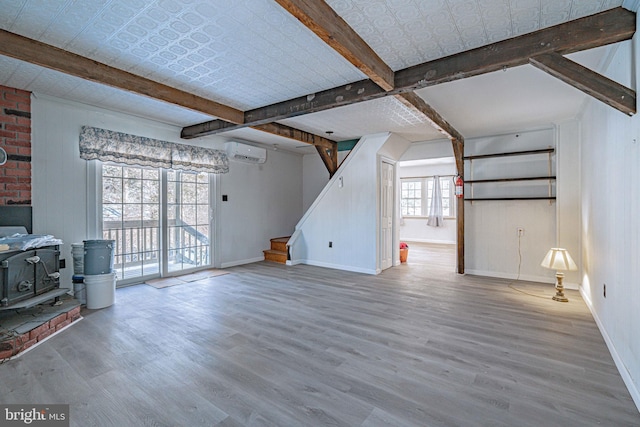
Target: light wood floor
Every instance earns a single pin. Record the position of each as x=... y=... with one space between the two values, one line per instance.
x=271 y=345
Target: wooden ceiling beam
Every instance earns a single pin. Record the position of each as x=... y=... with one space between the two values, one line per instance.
x=415 y=102
x=331 y=98
x=592 y=31
x=458 y=154
x=320 y=18
x=295 y=134
x=458 y=151
x=35 y=52
x=600 y=87
x=329 y=158
x=601 y=29
x=327 y=148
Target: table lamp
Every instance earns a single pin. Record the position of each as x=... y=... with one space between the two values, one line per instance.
x=559 y=259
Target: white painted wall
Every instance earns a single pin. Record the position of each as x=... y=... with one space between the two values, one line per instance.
x=568 y=203
x=610 y=173
x=347 y=216
x=428 y=150
x=492 y=245
x=264 y=200
x=315 y=177
x=415 y=229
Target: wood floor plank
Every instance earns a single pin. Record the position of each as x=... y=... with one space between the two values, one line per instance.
x=274 y=345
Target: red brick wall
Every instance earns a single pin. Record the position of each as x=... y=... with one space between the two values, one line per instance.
x=15 y=138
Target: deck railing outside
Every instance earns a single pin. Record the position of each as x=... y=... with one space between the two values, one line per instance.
x=138 y=247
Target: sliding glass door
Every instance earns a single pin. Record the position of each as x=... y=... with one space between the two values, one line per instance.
x=188 y=220
x=159 y=219
x=131 y=217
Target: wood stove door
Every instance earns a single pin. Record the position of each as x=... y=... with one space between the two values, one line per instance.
x=46 y=269
x=19 y=277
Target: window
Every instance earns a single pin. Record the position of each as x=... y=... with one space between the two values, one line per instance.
x=416 y=196
x=188 y=219
x=149 y=243
x=411 y=199
x=131 y=217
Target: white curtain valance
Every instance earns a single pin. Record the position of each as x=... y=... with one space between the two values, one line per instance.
x=107 y=145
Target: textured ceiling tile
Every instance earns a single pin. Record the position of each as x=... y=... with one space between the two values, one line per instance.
x=555 y=6
x=519 y=5
x=585 y=7
x=10 y=11
x=36 y=21
x=554 y=19
x=609 y=4
x=61 y=84
x=8 y=69
x=381 y=115
x=497 y=30
x=522 y=22
x=251 y=53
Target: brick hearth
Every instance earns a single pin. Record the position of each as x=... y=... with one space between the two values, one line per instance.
x=21 y=329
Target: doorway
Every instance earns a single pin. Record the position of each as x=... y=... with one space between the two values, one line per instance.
x=435 y=256
x=159 y=220
x=387 y=207
x=428 y=244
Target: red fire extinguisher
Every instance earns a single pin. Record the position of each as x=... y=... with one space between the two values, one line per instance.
x=459 y=183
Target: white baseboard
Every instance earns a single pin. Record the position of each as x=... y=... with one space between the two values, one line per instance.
x=333 y=266
x=622 y=369
x=438 y=242
x=512 y=276
x=241 y=262
x=572 y=286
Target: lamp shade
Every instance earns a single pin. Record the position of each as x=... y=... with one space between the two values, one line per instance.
x=558 y=259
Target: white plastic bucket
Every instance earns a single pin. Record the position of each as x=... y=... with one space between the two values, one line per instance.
x=98 y=257
x=77 y=252
x=79 y=290
x=100 y=290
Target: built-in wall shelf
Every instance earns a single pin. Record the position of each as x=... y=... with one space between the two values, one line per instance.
x=511 y=153
x=531 y=178
x=510 y=186
x=508 y=198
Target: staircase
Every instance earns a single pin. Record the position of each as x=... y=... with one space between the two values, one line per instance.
x=278 y=251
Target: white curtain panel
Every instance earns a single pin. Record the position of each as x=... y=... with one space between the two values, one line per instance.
x=436 y=218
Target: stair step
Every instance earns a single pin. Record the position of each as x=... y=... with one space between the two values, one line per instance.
x=280 y=244
x=275 y=256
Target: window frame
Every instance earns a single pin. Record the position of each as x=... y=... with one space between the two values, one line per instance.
x=427 y=189
x=94 y=217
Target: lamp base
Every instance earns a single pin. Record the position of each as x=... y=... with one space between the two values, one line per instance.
x=559 y=296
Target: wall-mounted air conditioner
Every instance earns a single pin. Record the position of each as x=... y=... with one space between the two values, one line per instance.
x=245 y=153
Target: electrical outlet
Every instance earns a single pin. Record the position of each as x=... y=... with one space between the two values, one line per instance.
x=330 y=244
x=520 y=231
x=604 y=290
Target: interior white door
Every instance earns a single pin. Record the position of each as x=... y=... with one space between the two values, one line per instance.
x=386 y=215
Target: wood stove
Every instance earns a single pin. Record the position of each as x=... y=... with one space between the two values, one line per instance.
x=29 y=277
x=27 y=274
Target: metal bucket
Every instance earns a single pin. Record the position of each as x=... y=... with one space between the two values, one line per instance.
x=98 y=257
